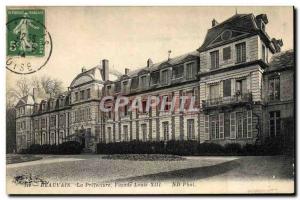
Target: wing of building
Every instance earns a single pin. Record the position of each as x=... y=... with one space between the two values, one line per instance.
x=243 y=86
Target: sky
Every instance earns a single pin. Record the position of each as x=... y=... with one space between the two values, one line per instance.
x=128 y=36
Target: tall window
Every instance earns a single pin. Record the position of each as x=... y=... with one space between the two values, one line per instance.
x=126 y=110
x=82 y=95
x=214 y=59
x=109 y=134
x=165 y=126
x=88 y=93
x=274 y=88
x=214 y=126
x=164 y=77
x=190 y=129
x=227 y=88
x=43 y=123
x=125 y=133
x=275 y=123
x=190 y=71
x=241 y=52
x=241 y=86
x=144 y=131
x=53 y=121
x=226 y=53
x=241 y=118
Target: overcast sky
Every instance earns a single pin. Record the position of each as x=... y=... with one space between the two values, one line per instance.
x=128 y=36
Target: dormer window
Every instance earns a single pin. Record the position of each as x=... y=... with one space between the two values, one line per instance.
x=154 y=76
x=178 y=71
x=164 y=76
x=43 y=106
x=144 y=81
x=190 y=71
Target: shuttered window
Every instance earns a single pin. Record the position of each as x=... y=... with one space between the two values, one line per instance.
x=214 y=59
x=241 y=52
x=232 y=125
x=206 y=127
x=191 y=129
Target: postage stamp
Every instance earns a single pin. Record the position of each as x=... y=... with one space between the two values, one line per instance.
x=29 y=44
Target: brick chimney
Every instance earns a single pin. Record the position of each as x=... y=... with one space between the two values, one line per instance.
x=105 y=69
x=127 y=71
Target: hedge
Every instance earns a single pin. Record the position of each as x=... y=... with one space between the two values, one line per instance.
x=70 y=147
x=184 y=148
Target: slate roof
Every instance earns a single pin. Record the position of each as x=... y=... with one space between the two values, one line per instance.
x=25 y=100
x=239 y=22
x=172 y=61
x=282 y=60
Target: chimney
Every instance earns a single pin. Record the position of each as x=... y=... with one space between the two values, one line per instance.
x=83 y=69
x=214 y=23
x=105 y=69
x=149 y=62
x=126 y=71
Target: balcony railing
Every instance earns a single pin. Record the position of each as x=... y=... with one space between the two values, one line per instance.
x=231 y=100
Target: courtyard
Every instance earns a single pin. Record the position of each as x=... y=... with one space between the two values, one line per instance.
x=97 y=169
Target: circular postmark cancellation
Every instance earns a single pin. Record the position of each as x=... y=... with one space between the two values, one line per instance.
x=29 y=44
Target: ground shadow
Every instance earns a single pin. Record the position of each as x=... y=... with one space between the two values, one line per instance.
x=186 y=174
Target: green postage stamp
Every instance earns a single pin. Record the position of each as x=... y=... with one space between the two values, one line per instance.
x=26 y=32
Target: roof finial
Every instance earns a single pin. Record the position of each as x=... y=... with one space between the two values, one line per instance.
x=169 y=54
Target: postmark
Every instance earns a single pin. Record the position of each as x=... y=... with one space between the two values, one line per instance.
x=29 y=44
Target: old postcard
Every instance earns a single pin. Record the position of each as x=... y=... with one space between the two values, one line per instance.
x=150 y=100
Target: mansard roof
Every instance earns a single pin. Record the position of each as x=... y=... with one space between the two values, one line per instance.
x=26 y=100
x=240 y=26
x=160 y=65
x=93 y=74
x=282 y=60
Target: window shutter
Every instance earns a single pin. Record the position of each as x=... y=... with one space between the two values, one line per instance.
x=249 y=124
x=207 y=91
x=232 y=125
x=197 y=96
x=248 y=84
x=206 y=127
x=221 y=89
x=221 y=125
x=232 y=87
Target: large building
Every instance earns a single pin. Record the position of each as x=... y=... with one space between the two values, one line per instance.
x=241 y=81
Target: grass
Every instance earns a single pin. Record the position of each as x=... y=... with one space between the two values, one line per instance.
x=144 y=157
x=12 y=159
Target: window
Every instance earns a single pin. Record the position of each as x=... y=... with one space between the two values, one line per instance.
x=53 y=121
x=178 y=71
x=82 y=95
x=126 y=110
x=214 y=91
x=125 y=83
x=134 y=83
x=241 y=118
x=275 y=123
x=62 y=120
x=227 y=88
x=76 y=96
x=88 y=93
x=190 y=71
x=117 y=86
x=43 y=123
x=190 y=129
x=144 y=106
x=125 y=133
x=241 y=52
x=167 y=105
x=144 y=131
x=214 y=59
x=144 y=82
x=164 y=77
x=274 y=88
x=226 y=53
x=109 y=135
x=165 y=126
x=154 y=76
x=241 y=86
x=214 y=126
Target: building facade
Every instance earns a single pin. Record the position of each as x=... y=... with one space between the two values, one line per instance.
x=241 y=82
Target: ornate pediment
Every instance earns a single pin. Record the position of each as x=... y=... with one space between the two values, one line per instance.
x=226 y=36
